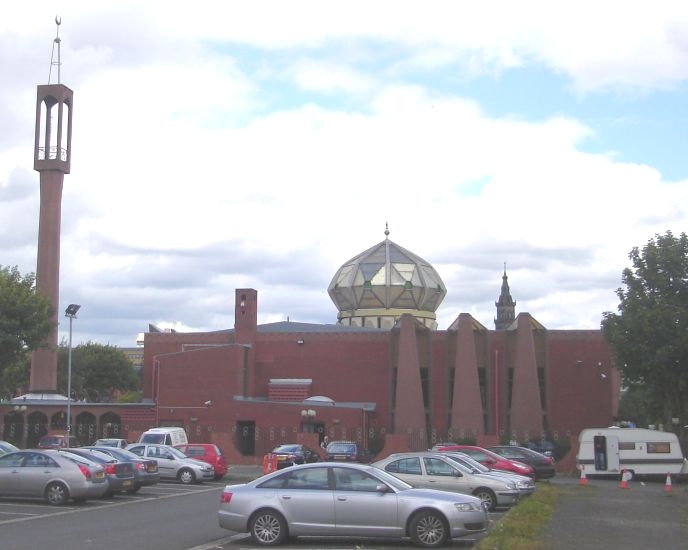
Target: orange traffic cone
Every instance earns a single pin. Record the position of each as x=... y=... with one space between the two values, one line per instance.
x=583 y=480
x=624 y=480
x=667 y=485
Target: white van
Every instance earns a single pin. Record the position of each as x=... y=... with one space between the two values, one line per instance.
x=607 y=451
x=164 y=436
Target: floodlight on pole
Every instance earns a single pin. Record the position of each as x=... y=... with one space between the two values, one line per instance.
x=70 y=312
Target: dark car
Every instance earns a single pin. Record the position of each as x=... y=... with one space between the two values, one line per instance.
x=119 y=474
x=542 y=465
x=293 y=453
x=348 y=451
x=207 y=452
x=145 y=469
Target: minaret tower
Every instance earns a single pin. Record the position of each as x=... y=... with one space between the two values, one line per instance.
x=52 y=159
x=506 y=307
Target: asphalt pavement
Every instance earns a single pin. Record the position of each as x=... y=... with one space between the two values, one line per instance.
x=602 y=514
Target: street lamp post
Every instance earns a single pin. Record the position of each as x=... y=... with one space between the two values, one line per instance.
x=70 y=312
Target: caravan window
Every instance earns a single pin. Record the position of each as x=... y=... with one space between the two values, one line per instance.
x=659 y=447
x=627 y=445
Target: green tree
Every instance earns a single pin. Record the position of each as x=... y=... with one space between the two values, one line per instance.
x=649 y=334
x=25 y=316
x=15 y=377
x=97 y=370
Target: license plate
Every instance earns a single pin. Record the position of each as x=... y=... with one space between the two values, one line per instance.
x=127 y=483
x=99 y=475
x=281 y=458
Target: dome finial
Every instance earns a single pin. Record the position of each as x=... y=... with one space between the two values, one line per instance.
x=386 y=230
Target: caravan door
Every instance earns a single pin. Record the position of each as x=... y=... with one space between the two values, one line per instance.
x=606 y=453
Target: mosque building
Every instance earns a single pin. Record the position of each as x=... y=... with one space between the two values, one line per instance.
x=383 y=372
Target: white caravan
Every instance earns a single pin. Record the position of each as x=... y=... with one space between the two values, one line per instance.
x=608 y=451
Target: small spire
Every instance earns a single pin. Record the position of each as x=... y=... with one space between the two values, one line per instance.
x=386 y=230
x=58 y=63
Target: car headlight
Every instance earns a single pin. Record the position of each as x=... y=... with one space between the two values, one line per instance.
x=523 y=484
x=468 y=506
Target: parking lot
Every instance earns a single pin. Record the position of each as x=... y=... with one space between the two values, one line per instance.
x=174 y=516
x=169 y=515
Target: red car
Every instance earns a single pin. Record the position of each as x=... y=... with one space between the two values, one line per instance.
x=207 y=452
x=57 y=442
x=489 y=459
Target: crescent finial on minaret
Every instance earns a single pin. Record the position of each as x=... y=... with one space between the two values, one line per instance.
x=58 y=62
x=386 y=230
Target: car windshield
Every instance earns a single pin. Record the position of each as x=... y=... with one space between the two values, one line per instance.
x=123 y=454
x=341 y=448
x=176 y=452
x=287 y=449
x=460 y=462
x=78 y=458
x=389 y=479
x=470 y=463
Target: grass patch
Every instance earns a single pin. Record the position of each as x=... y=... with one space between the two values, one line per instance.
x=520 y=527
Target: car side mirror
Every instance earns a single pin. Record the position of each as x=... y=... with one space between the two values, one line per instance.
x=457 y=473
x=381 y=488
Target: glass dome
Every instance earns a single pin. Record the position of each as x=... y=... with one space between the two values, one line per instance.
x=376 y=287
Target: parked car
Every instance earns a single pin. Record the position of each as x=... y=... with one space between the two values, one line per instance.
x=347 y=451
x=543 y=446
x=48 y=474
x=7 y=447
x=119 y=474
x=346 y=500
x=436 y=471
x=291 y=454
x=111 y=442
x=145 y=469
x=488 y=458
x=57 y=442
x=541 y=464
x=207 y=452
x=174 y=464
x=524 y=484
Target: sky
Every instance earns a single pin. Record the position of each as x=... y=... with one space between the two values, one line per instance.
x=224 y=145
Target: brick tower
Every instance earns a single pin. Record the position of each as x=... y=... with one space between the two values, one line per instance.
x=52 y=159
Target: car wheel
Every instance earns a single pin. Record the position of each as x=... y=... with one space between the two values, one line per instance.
x=134 y=490
x=186 y=476
x=218 y=477
x=429 y=529
x=268 y=528
x=487 y=496
x=56 y=494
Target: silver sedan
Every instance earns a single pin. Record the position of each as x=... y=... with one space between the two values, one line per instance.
x=524 y=484
x=437 y=471
x=47 y=474
x=336 y=499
